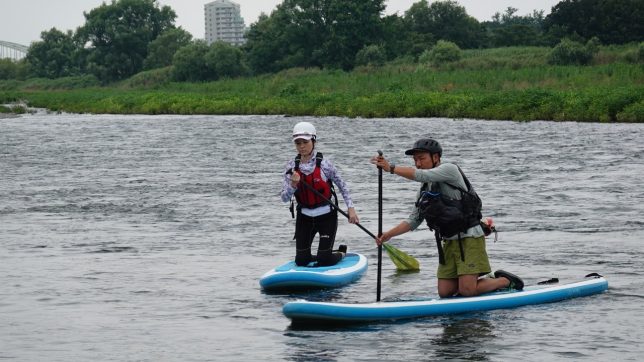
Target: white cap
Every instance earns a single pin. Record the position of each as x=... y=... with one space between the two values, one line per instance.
x=304 y=130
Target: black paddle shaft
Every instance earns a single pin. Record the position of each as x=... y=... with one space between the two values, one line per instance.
x=379 y=229
x=337 y=208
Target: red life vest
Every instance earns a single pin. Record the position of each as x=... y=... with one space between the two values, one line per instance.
x=305 y=197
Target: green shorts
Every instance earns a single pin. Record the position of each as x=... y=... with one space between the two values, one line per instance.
x=476 y=260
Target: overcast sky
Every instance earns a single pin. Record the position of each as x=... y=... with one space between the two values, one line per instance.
x=21 y=21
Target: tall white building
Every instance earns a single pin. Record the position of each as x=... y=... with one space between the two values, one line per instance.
x=224 y=22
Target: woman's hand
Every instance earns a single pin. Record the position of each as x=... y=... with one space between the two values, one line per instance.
x=353 y=217
x=295 y=179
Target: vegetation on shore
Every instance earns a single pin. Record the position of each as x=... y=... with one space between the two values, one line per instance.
x=310 y=58
x=514 y=83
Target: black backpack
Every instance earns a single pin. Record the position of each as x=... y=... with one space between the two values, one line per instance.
x=450 y=216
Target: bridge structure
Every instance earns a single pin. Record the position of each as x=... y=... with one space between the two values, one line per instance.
x=12 y=50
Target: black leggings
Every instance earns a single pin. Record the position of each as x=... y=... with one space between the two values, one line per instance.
x=305 y=229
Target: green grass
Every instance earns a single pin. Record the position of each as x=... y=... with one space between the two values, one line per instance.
x=504 y=83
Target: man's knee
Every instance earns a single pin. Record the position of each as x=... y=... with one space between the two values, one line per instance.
x=447 y=289
x=467 y=291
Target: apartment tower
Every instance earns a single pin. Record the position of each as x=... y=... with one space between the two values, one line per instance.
x=224 y=22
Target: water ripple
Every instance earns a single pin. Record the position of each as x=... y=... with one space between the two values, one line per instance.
x=152 y=231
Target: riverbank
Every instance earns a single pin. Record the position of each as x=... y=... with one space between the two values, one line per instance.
x=505 y=84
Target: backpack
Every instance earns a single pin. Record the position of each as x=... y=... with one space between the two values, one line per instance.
x=446 y=215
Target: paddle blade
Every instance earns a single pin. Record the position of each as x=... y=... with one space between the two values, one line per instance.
x=402 y=260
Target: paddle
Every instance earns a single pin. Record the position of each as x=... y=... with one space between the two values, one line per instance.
x=403 y=261
x=379 y=229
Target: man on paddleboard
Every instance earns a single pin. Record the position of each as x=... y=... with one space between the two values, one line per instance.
x=307 y=173
x=451 y=208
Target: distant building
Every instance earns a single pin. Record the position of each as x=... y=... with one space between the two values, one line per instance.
x=224 y=22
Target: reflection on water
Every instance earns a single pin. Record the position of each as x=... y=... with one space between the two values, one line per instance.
x=464 y=338
x=126 y=237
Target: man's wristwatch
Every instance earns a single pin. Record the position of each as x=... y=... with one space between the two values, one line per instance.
x=392 y=166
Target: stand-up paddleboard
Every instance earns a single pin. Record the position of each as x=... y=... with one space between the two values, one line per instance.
x=320 y=312
x=291 y=276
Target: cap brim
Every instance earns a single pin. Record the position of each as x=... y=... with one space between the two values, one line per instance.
x=302 y=137
x=415 y=150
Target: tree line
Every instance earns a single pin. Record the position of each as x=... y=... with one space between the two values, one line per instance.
x=126 y=37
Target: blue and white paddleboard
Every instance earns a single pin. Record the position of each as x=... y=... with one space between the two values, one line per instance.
x=320 y=312
x=291 y=276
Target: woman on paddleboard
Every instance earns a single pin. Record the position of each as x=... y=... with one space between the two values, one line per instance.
x=451 y=208
x=310 y=177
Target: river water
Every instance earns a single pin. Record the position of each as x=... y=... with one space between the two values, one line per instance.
x=142 y=238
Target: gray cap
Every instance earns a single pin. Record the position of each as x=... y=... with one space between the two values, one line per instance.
x=425 y=145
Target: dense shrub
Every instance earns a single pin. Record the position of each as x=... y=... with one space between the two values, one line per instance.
x=442 y=52
x=202 y=62
x=189 y=63
x=225 y=60
x=371 y=55
x=593 y=45
x=10 y=69
x=569 y=52
x=635 y=55
x=7 y=69
x=632 y=113
x=150 y=78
